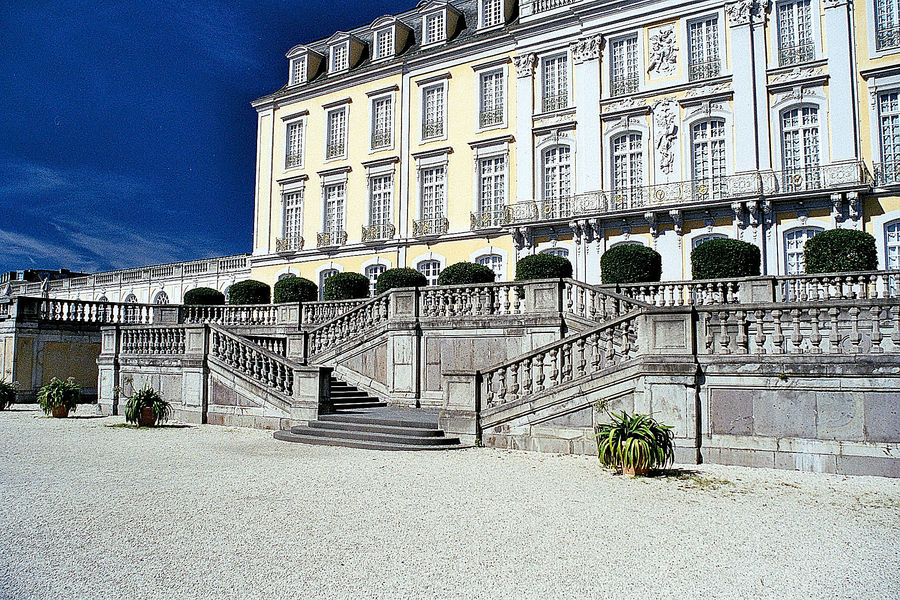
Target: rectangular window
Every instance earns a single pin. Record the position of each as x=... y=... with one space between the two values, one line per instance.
x=492 y=99
x=381 y=190
x=292 y=229
x=800 y=149
x=795 y=36
x=435 y=31
x=492 y=189
x=887 y=24
x=433 y=112
x=333 y=223
x=298 y=70
x=293 y=152
x=888 y=171
x=384 y=43
x=432 y=184
x=491 y=13
x=555 y=79
x=382 y=122
x=624 y=74
x=337 y=134
x=339 y=59
x=703 y=42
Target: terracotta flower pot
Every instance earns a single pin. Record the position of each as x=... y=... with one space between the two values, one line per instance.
x=634 y=471
x=147 y=419
x=60 y=412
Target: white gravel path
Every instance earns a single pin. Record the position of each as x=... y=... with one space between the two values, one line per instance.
x=95 y=512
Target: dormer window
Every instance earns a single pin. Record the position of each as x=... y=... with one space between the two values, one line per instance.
x=435 y=28
x=298 y=70
x=303 y=64
x=491 y=13
x=340 y=60
x=384 y=43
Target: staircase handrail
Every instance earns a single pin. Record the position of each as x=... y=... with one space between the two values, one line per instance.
x=252 y=360
x=344 y=323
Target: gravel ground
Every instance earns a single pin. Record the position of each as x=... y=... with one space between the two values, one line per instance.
x=95 y=512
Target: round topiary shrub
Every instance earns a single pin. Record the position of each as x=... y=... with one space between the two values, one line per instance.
x=295 y=289
x=543 y=266
x=466 y=273
x=722 y=258
x=203 y=296
x=249 y=292
x=346 y=286
x=840 y=251
x=630 y=263
x=399 y=278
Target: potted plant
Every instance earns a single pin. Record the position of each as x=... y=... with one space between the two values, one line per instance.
x=634 y=444
x=59 y=397
x=7 y=393
x=146 y=408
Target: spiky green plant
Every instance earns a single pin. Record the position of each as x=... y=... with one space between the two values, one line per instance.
x=147 y=397
x=7 y=393
x=59 y=393
x=635 y=442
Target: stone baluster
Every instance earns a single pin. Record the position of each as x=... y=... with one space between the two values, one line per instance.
x=724 y=338
x=514 y=381
x=501 y=392
x=835 y=338
x=760 y=332
x=777 y=334
x=539 y=379
x=527 y=376
x=582 y=364
x=553 y=371
x=796 y=338
x=742 y=339
x=875 y=316
x=855 y=336
x=815 y=337
x=596 y=352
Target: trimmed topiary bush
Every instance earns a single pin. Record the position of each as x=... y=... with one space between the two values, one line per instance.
x=466 y=273
x=296 y=289
x=399 y=278
x=543 y=266
x=249 y=292
x=722 y=258
x=203 y=296
x=346 y=286
x=840 y=251
x=630 y=263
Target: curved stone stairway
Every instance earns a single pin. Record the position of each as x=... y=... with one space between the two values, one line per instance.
x=360 y=421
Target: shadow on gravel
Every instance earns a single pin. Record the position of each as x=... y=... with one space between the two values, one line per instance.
x=167 y=426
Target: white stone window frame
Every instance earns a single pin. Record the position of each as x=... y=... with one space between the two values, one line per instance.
x=376 y=42
x=330 y=110
x=481 y=12
x=687 y=143
x=488 y=250
x=721 y=25
x=540 y=88
x=287 y=127
x=879 y=85
x=286 y=273
x=788 y=225
x=442 y=84
x=429 y=256
x=813 y=97
x=332 y=51
x=879 y=224
x=550 y=246
x=378 y=261
x=558 y=138
x=321 y=270
x=635 y=124
x=325 y=183
x=388 y=170
x=486 y=69
x=424 y=164
x=775 y=38
x=500 y=150
x=426 y=17
x=393 y=118
x=606 y=77
x=690 y=239
x=293 y=188
x=293 y=63
x=870 y=29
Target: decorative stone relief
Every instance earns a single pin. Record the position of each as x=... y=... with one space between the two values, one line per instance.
x=666 y=133
x=551 y=121
x=797 y=75
x=626 y=230
x=837 y=209
x=663 y=51
x=855 y=205
x=708 y=90
x=625 y=105
x=739 y=12
x=586 y=49
x=709 y=221
x=525 y=65
x=705 y=108
x=836 y=3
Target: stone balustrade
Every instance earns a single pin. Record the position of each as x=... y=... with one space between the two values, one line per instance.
x=152 y=341
x=348 y=326
x=596 y=304
x=316 y=313
x=472 y=300
x=684 y=293
x=275 y=345
x=103 y=313
x=846 y=286
x=252 y=360
x=246 y=314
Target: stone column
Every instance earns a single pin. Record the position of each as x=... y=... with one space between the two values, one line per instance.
x=841 y=76
x=586 y=56
x=525 y=65
x=108 y=372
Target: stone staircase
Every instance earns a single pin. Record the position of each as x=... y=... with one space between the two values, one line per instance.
x=360 y=421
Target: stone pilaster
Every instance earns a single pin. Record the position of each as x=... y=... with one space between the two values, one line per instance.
x=525 y=66
x=586 y=56
x=840 y=95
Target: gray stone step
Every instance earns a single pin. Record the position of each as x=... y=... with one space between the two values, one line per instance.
x=349 y=426
x=288 y=436
x=362 y=404
x=374 y=436
x=363 y=418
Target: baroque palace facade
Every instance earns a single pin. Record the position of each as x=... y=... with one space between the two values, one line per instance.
x=485 y=130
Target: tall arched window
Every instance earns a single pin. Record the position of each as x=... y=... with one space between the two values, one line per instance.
x=556 y=181
x=800 y=148
x=285 y=276
x=493 y=262
x=323 y=277
x=708 y=158
x=892 y=245
x=705 y=238
x=103 y=299
x=373 y=272
x=563 y=252
x=161 y=298
x=131 y=299
x=794 y=241
x=430 y=269
x=628 y=169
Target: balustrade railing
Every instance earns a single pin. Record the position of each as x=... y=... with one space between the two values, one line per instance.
x=347 y=326
x=248 y=314
x=796 y=54
x=275 y=345
x=589 y=302
x=887 y=173
x=554 y=102
x=434 y=226
x=561 y=362
x=625 y=85
x=860 y=327
x=103 y=313
x=489 y=118
x=289 y=244
x=335 y=237
x=486 y=219
x=253 y=361
x=684 y=293
x=316 y=313
x=839 y=286
x=490 y=299
x=432 y=129
x=169 y=341
x=704 y=69
x=377 y=232
x=887 y=37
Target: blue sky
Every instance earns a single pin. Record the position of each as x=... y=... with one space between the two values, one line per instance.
x=127 y=135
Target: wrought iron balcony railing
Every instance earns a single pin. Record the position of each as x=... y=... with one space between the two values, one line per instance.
x=730 y=187
x=433 y=129
x=793 y=55
x=335 y=150
x=381 y=139
x=625 y=85
x=705 y=70
x=289 y=244
x=887 y=173
x=335 y=237
x=555 y=102
x=489 y=118
x=293 y=160
x=435 y=226
x=377 y=232
x=887 y=37
x=486 y=219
